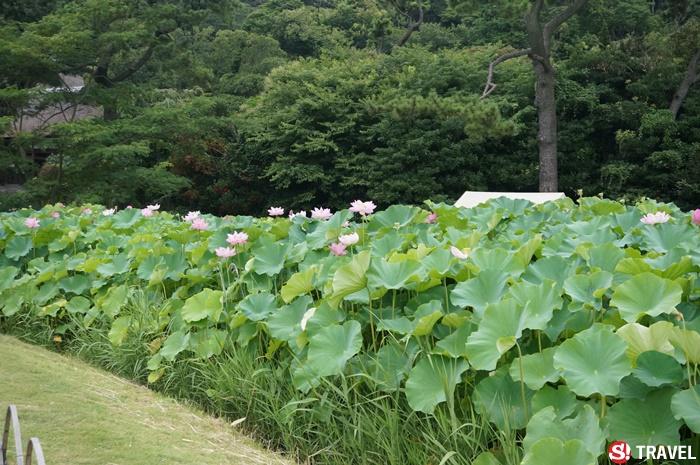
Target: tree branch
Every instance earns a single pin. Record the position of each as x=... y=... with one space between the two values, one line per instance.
x=490 y=85
x=562 y=17
x=412 y=27
x=691 y=77
x=127 y=73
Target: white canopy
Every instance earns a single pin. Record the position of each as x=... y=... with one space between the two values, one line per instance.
x=473 y=198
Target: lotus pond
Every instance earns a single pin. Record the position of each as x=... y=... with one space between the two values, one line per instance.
x=561 y=327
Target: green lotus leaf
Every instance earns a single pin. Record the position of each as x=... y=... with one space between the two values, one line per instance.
x=76 y=284
x=206 y=304
x=391 y=275
x=605 y=256
x=147 y=267
x=678 y=269
x=389 y=366
x=119 y=330
x=686 y=342
x=175 y=265
x=584 y=426
x=502 y=324
x=269 y=257
x=656 y=369
x=384 y=246
x=642 y=422
x=298 y=284
x=525 y=253
x=553 y=268
x=112 y=302
x=685 y=406
x=500 y=400
x=538 y=301
x=664 y=237
x=486 y=288
x=119 y=264
x=588 y=289
x=396 y=216
x=553 y=451
x=79 y=305
x=455 y=345
x=323 y=317
x=425 y=317
x=642 y=339
x=329 y=350
x=7 y=277
x=561 y=399
x=632 y=388
x=174 y=344
x=12 y=302
x=495 y=259
x=432 y=381
x=284 y=324
x=593 y=361
x=486 y=458
x=257 y=307
x=400 y=325
x=437 y=263
x=207 y=343
x=646 y=294
x=18 y=247
x=125 y=219
x=46 y=292
x=538 y=369
x=350 y=278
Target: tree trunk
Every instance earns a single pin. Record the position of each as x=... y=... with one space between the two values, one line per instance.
x=691 y=76
x=109 y=112
x=545 y=98
x=546 y=103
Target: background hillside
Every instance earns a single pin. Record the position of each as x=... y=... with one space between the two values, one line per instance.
x=229 y=107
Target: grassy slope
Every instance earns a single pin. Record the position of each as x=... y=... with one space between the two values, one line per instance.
x=85 y=416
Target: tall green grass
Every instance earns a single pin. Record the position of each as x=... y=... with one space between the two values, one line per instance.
x=340 y=422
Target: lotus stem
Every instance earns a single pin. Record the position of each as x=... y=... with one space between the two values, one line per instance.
x=522 y=379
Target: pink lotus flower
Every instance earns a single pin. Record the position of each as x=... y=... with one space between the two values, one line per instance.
x=321 y=213
x=349 y=239
x=299 y=213
x=363 y=208
x=225 y=252
x=199 y=224
x=237 y=238
x=338 y=249
x=191 y=216
x=55 y=215
x=154 y=207
x=109 y=212
x=147 y=212
x=129 y=207
x=458 y=253
x=87 y=211
x=31 y=223
x=275 y=211
x=696 y=216
x=432 y=218
x=655 y=218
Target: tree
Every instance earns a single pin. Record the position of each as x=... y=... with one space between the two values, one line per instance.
x=539 y=36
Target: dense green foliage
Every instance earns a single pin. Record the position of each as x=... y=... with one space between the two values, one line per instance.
x=226 y=107
x=508 y=331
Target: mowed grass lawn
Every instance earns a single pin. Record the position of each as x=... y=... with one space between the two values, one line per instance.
x=85 y=416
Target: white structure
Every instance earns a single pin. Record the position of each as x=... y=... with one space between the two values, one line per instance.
x=473 y=198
